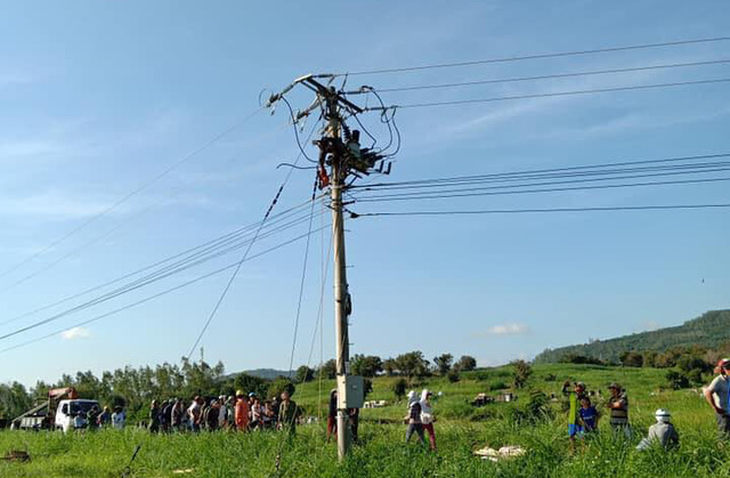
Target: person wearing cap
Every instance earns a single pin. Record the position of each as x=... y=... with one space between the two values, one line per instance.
x=574 y=398
x=618 y=404
x=427 y=417
x=242 y=411
x=716 y=395
x=661 y=433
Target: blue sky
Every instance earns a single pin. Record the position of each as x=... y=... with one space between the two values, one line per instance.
x=98 y=97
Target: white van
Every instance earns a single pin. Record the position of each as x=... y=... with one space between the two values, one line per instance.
x=68 y=410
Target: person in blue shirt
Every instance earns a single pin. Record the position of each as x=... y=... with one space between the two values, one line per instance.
x=588 y=416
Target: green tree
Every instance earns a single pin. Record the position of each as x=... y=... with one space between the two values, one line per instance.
x=366 y=365
x=280 y=384
x=399 y=388
x=390 y=367
x=328 y=369
x=466 y=363
x=632 y=359
x=304 y=374
x=412 y=364
x=522 y=372
x=443 y=363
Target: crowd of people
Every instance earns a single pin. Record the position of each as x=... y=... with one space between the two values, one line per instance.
x=242 y=412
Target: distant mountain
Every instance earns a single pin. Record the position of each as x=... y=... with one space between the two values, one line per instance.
x=267 y=373
x=710 y=330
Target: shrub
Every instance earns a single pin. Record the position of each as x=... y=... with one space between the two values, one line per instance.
x=677 y=380
x=399 y=388
x=453 y=376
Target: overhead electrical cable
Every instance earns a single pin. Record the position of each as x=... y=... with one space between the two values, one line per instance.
x=468 y=212
x=159 y=294
x=127 y=288
x=132 y=193
x=182 y=258
x=542 y=77
x=232 y=278
x=536 y=56
x=591 y=91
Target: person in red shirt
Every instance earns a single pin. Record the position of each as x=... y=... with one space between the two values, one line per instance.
x=242 y=415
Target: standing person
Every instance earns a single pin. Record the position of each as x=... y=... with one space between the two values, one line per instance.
x=414 y=418
x=166 y=415
x=427 y=417
x=92 y=418
x=618 y=403
x=195 y=413
x=332 y=415
x=222 y=413
x=662 y=432
x=717 y=394
x=242 y=411
x=256 y=414
x=267 y=416
x=354 y=415
x=177 y=414
x=154 y=417
x=105 y=418
x=288 y=413
x=574 y=398
x=212 y=415
x=275 y=404
x=119 y=418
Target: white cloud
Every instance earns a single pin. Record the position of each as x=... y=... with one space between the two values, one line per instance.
x=76 y=333
x=509 y=328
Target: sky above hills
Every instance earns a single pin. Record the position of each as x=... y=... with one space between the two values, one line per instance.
x=97 y=98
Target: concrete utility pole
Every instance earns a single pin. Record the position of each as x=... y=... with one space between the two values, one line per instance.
x=340 y=150
x=342 y=298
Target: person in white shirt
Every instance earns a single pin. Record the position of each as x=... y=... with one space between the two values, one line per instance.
x=427 y=417
x=119 y=418
x=717 y=395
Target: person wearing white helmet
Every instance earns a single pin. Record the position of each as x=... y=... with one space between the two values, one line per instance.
x=662 y=433
x=717 y=395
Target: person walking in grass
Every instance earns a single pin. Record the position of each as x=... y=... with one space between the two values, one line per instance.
x=574 y=398
x=427 y=417
x=211 y=416
x=267 y=417
x=288 y=413
x=105 y=418
x=717 y=394
x=256 y=414
x=242 y=411
x=177 y=414
x=661 y=433
x=618 y=405
x=413 y=419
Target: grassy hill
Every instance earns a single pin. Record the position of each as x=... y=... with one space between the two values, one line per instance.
x=711 y=330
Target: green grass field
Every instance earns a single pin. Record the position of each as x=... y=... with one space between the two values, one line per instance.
x=382 y=453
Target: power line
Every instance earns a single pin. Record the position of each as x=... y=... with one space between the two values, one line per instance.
x=188 y=256
x=467 y=193
x=545 y=210
x=543 y=77
x=131 y=194
x=159 y=294
x=535 y=56
x=539 y=171
x=224 y=293
x=130 y=287
x=554 y=94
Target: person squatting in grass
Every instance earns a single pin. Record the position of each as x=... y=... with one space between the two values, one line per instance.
x=413 y=419
x=661 y=433
x=717 y=394
x=618 y=404
x=427 y=417
x=574 y=398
